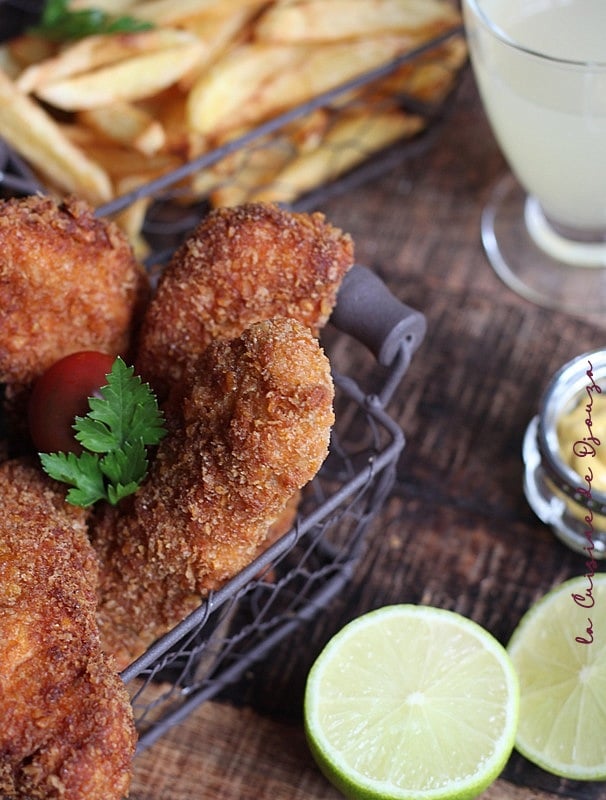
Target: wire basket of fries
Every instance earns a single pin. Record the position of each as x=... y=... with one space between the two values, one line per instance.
x=305 y=568
x=222 y=103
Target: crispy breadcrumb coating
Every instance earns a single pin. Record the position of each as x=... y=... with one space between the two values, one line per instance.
x=241 y=265
x=254 y=428
x=66 y=726
x=68 y=282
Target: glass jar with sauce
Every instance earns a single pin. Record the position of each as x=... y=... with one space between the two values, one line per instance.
x=564 y=455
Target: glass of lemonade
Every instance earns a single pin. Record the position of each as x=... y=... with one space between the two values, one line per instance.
x=540 y=67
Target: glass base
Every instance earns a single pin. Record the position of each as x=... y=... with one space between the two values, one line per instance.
x=535 y=260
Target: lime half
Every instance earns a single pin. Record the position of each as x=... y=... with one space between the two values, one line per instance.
x=562 y=724
x=411 y=702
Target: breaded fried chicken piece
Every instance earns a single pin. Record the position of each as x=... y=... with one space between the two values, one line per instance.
x=68 y=282
x=254 y=427
x=66 y=726
x=241 y=265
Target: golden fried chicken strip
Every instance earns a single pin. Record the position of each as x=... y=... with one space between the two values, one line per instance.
x=66 y=726
x=254 y=428
x=241 y=265
x=68 y=282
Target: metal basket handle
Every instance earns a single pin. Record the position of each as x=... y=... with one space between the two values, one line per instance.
x=367 y=310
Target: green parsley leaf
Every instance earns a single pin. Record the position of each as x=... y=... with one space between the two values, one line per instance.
x=125 y=466
x=123 y=420
x=59 y=24
x=126 y=411
x=81 y=472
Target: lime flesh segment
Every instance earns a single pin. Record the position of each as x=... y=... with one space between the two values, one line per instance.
x=562 y=725
x=411 y=702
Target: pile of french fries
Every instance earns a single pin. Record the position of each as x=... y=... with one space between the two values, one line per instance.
x=104 y=115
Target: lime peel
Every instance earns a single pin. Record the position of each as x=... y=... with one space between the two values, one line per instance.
x=411 y=702
x=562 y=723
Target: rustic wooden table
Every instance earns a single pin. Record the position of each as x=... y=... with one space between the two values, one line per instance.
x=456 y=531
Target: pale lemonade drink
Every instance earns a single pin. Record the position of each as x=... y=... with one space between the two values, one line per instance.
x=547 y=107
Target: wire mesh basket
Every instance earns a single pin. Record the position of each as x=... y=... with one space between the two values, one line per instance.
x=300 y=573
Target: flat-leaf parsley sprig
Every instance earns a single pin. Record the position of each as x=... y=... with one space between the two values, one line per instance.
x=59 y=23
x=121 y=423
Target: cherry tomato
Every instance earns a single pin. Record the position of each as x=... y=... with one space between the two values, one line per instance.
x=60 y=394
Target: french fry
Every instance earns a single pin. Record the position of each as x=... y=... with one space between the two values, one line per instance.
x=427 y=79
x=261 y=167
x=169 y=12
x=218 y=34
x=131 y=219
x=127 y=125
x=256 y=81
x=122 y=109
x=221 y=31
x=116 y=7
x=321 y=21
x=93 y=52
x=236 y=176
x=307 y=133
x=168 y=108
x=79 y=135
x=350 y=141
x=220 y=100
x=38 y=138
x=122 y=162
x=129 y=79
x=430 y=78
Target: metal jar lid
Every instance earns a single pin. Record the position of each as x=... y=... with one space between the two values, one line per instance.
x=578 y=381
